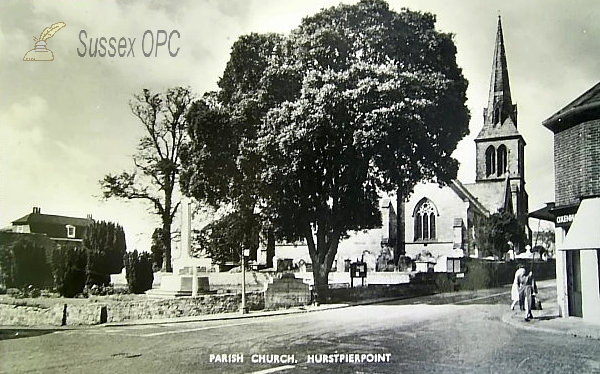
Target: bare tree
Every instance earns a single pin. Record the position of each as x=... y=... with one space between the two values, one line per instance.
x=157 y=165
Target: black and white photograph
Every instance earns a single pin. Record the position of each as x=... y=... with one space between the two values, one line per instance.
x=318 y=186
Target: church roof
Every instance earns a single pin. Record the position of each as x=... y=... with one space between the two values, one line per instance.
x=584 y=108
x=492 y=195
x=506 y=130
x=465 y=194
x=500 y=116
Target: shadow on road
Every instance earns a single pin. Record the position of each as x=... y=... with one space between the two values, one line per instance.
x=17 y=333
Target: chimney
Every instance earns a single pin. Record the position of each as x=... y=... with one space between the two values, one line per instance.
x=36 y=210
x=89 y=216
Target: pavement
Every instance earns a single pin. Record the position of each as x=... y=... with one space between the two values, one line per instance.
x=549 y=320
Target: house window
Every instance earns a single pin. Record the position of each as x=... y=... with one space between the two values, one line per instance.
x=70 y=231
x=501 y=160
x=425 y=214
x=490 y=161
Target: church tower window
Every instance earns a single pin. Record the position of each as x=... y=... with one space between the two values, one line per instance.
x=502 y=154
x=425 y=217
x=490 y=161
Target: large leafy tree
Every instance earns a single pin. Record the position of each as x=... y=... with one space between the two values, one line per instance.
x=357 y=100
x=216 y=170
x=157 y=165
x=224 y=239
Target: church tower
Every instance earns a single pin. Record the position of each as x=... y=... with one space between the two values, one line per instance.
x=500 y=149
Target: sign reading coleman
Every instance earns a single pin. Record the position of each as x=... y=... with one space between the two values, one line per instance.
x=565 y=220
x=564 y=216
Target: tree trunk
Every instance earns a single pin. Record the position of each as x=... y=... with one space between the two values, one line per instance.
x=166 y=237
x=270 y=247
x=321 y=282
x=322 y=254
x=400 y=249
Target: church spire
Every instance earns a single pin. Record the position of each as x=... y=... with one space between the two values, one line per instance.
x=500 y=105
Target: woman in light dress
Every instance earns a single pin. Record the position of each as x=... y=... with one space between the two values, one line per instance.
x=514 y=291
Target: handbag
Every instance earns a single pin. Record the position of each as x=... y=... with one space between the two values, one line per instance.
x=536 y=303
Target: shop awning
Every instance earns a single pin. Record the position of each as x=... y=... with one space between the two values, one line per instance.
x=543 y=213
x=584 y=232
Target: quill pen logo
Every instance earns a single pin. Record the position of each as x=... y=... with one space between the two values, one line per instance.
x=40 y=52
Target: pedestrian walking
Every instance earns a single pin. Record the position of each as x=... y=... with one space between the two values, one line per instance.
x=514 y=291
x=527 y=292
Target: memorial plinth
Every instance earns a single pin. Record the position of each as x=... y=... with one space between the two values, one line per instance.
x=186 y=279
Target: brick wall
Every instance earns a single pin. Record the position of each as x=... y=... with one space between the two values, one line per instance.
x=577 y=162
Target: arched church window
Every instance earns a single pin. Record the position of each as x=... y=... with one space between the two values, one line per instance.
x=502 y=160
x=490 y=161
x=425 y=217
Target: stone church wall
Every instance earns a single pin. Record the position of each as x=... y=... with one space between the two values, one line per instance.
x=449 y=207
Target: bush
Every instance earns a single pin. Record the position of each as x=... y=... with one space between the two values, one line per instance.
x=24 y=264
x=68 y=269
x=138 y=271
x=445 y=282
x=477 y=276
x=105 y=246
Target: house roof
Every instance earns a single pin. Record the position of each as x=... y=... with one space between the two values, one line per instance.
x=584 y=108
x=53 y=225
x=38 y=218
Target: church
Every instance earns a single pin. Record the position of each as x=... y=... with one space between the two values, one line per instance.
x=439 y=221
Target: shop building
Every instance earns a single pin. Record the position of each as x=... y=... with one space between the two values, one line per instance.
x=576 y=210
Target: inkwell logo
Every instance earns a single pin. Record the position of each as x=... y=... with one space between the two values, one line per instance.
x=40 y=52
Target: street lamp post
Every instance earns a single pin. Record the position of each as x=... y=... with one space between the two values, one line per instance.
x=244 y=308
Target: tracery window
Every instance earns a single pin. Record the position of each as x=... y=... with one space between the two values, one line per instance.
x=425 y=218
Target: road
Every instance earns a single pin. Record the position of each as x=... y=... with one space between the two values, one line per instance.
x=437 y=334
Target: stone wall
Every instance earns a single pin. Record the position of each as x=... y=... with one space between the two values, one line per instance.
x=25 y=314
x=287 y=292
x=89 y=312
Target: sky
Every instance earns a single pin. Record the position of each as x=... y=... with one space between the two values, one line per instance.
x=65 y=124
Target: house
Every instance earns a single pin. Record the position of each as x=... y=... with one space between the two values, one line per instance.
x=439 y=222
x=576 y=211
x=45 y=230
x=60 y=229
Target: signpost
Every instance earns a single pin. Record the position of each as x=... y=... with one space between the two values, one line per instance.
x=244 y=308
